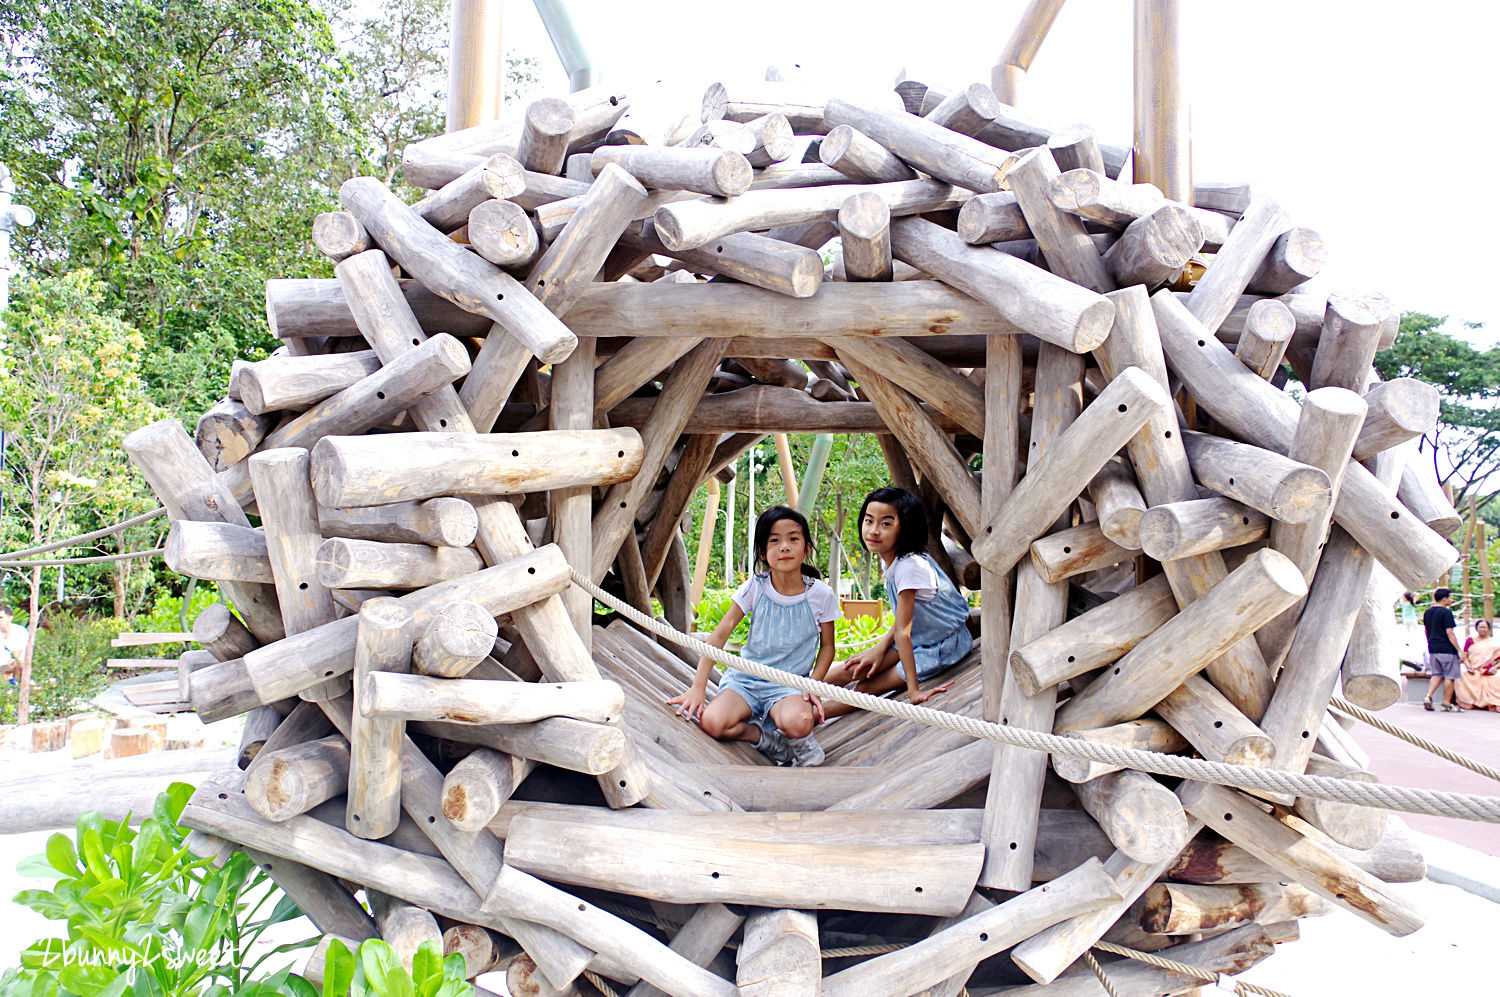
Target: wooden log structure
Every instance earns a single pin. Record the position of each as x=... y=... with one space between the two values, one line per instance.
x=460 y=421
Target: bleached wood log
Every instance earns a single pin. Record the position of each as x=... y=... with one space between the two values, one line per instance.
x=343 y=564
x=991 y=218
x=1218 y=290
x=967 y=111
x=543 y=146
x=1349 y=340
x=1286 y=490
x=218 y=552
x=764 y=141
x=288 y=382
x=865 y=225
x=283 y=668
x=1423 y=494
x=1297 y=256
x=1400 y=409
x=928 y=379
x=803 y=107
x=817 y=877
x=573 y=259
x=1229 y=954
x=293 y=780
x=477 y=701
x=479 y=785
x=1228 y=197
x=260 y=724
x=937 y=151
x=404 y=927
x=1066 y=246
x=1075 y=148
x=1097 y=198
x=1213 y=725
x=1240 y=819
x=1146 y=734
x=747 y=257
x=575 y=745
x=1119 y=503
x=339 y=235
x=467 y=280
x=497 y=178
x=1074 y=551
x=1178 y=909
x=699 y=940
x=501 y=233
x=229 y=432
x=692 y=468
x=1155 y=247
x=779 y=955
x=516 y=894
x=373 y=808
x=459 y=637
x=1093 y=639
x=441 y=522
x=927 y=784
x=1352 y=826
x=1260 y=414
x=1054 y=480
x=1143 y=818
x=1002 y=455
x=543 y=189
x=931 y=960
x=1250 y=595
x=1268 y=330
x=705 y=170
x=221 y=632
x=1186 y=529
x=1370 y=676
x=355 y=471
x=484 y=951
x=861 y=158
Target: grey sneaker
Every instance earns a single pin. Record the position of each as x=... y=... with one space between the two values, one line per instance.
x=774 y=745
x=806 y=751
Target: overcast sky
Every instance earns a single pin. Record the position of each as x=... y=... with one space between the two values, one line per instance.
x=1360 y=118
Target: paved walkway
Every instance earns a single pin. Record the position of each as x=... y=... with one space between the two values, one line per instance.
x=1475 y=733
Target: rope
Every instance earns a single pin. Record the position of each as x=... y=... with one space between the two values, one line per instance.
x=1468 y=806
x=1410 y=738
x=600 y=983
x=134 y=555
x=1104 y=980
x=83 y=537
x=1171 y=965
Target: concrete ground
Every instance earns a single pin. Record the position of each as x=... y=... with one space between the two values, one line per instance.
x=1452 y=954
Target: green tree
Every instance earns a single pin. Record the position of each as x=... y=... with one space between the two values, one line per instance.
x=70 y=389
x=1465 y=445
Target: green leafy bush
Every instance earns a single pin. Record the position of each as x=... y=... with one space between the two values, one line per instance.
x=166 y=615
x=376 y=972
x=68 y=666
x=850 y=636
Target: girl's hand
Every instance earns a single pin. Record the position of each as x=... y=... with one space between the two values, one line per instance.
x=861 y=665
x=817 y=706
x=689 y=704
x=923 y=695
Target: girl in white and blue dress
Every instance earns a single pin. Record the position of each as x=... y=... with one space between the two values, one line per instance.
x=931 y=630
x=791 y=627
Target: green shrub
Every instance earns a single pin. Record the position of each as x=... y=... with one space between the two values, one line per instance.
x=850 y=636
x=68 y=666
x=375 y=971
x=166 y=615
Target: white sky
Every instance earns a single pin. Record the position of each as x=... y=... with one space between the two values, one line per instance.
x=1340 y=110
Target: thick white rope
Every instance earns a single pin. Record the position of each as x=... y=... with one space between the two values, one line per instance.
x=1421 y=742
x=1467 y=806
x=84 y=537
x=134 y=555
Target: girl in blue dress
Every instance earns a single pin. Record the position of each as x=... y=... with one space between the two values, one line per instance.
x=931 y=630
x=791 y=627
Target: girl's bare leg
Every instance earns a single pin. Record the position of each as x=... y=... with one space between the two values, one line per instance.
x=794 y=716
x=884 y=680
x=727 y=718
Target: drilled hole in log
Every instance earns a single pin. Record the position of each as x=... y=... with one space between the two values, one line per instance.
x=1169 y=434
x=1014 y=845
x=622 y=783
x=583 y=906
x=356 y=817
x=531 y=571
x=1124 y=408
x=501 y=297
x=1218 y=724
x=302 y=586
x=714 y=875
x=620 y=454
x=1229 y=816
x=1117 y=671
x=431 y=819
x=223 y=796
x=443 y=423
x=718 y=249
x=1395 y=514
x=1245 y=520
x=1200 y=342
x=515 y=453
x=1306 y=735
x=328 y=674
x=541 y=282
x=1231 y=481
x=380 y=395
x=1067 y=550
x=622 y=505
x=1071 y=659
x=416 y=342
x=984 y=936
x=919 y=889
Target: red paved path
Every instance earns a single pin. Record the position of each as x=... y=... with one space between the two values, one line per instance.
x=1474 y=733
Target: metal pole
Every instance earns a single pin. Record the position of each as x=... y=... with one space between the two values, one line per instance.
x=12 y=217
x=1163 y=122
x=1010 y=70
x=567 y=43
x=476 y=63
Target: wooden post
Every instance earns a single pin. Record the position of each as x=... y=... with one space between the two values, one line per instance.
x=370 y=564
x=1143 y=818
x=779 y=954
x=1163 y=146
x=384 y=645
x=478 y=786
x=440 y=522
x=1119 y=503
x=1187 y=529
x=1092 y=639
x=287 y=382
x=1269 y=327
x=459 y=637
x=705 y=542
x=861 y=158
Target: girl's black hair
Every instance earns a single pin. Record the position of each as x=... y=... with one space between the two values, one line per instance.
x=910 y=517
x=770 y=518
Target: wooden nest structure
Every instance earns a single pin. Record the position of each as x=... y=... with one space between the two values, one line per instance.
x=529 y=372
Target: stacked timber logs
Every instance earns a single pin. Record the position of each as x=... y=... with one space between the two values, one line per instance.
x=536 y=365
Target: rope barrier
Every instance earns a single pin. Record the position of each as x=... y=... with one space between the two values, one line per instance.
x=1467 y=806
x=85 y=537
x=133 y=555
x=1104 y=980
x=1171 y=965
x=1437 y=749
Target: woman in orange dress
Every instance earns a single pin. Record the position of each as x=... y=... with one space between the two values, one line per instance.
x=1478 y=686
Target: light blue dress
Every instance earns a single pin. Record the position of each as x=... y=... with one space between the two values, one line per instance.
x=939 y=626
x=782 y=635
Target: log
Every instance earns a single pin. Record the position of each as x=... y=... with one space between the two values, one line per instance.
x=1142 y=818
x=931 y=960
x=1066 y=247
x=339 y=235
x=467 y=280
x=1250 y=595
x=345 y=564
x=1370 y=676
x=990 y=218
x=1095 y=197
x=861 y=158
x=373 y=808
x=1355 y=827
x=1400 y=409
x=229 y=432
x=218 y=551
x=1284 y=489
x=1215 y=726
x=449 y=207
x=292 y=780
x=573 y=259
x=439 y=522
x=1297 y=256
x=779 y=954
x=1119 y=503
x=1186 y=529
x=288 y=382
x=1155 y=247
x=1228 y=954
x=1219 y=289
x=459 y=637
x=699 y=940
x=704 y=170
x=404 y=927
x=1269 y=327
x=221 y=632
x=501 y=233
x=479 y=785
x=937 y=151
x=356 y=471
x=1177 y=909
x=744 y=256
x=1423 y=494
x=576 y=745
x=1070 y=552
x=1239 y=819
x=1349 y=340
x=543 y=146
x=967 y=111
x=1053 y=481
x=477 y=701
x=1076 y=148
x=484 y=951
x=1146 y=734
x=1093 y=639
x=865 y=225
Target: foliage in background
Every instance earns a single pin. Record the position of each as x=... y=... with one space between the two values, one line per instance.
x=167 y=614
x=849 y=636
x=68 y=667
x=146 y=917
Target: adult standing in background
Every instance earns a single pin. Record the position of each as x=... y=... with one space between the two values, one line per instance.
x=1442 y=649
x=15 y=646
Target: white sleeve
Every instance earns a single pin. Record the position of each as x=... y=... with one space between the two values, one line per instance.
x=825 y=605
x=912 y=573
x=744 y=596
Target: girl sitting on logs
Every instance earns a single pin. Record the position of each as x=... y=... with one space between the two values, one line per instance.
x=791 y=627
x=931 y=630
